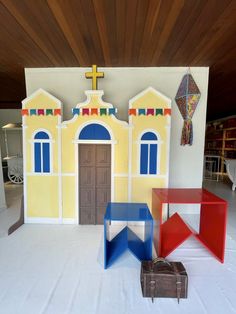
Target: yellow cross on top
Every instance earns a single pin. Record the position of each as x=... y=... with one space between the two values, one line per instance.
x=94 y=75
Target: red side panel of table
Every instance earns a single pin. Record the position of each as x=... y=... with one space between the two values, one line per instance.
x=213 y=228
x=174 y=232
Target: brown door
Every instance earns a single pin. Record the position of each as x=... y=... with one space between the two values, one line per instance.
x=94 y=182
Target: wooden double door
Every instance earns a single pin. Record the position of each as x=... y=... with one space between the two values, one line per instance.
x=94 y=182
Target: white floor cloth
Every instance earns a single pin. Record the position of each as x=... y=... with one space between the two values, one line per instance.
x=59 y=269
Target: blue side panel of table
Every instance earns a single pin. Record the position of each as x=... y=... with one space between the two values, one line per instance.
x=127 y=239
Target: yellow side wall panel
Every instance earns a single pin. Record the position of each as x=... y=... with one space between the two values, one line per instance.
x=150 y=99
x=157 y=123
x=42 y=196
x=121 y=153
x=142 y=189
x=68 y=151
x=42 y=101
x=69 y=197
x=121 y=189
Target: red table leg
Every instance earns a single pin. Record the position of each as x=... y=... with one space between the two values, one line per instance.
x=213 y=228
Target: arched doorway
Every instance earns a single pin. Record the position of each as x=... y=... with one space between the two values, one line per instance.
x=94 y=173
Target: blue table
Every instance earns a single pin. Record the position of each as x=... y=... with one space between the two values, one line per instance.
x=127 y=239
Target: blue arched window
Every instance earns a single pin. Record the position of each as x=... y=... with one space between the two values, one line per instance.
x=148 y=153
x=42 y=152
x=94 y=131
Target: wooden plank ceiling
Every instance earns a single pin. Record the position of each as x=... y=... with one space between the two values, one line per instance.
x=61 y=33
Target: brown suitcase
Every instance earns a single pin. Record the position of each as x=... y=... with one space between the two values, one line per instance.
x=163 y=279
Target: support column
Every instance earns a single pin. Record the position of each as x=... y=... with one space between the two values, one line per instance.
x=2 y=190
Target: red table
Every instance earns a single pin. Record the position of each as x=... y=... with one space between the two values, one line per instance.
x=174 y=231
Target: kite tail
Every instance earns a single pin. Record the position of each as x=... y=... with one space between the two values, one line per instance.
x=187 y=133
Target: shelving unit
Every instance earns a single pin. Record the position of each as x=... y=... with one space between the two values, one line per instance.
x=220 y=142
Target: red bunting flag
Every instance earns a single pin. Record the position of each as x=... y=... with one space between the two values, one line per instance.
x=132 y=112
x=94 y=111
x=24 y=112
x=57 y=112
x=167 y=112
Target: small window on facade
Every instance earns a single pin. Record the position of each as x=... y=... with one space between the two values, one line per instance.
x=148 y=153
x=42 y=152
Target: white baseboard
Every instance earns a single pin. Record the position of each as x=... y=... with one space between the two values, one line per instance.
x=69 y=221
x=43 y=220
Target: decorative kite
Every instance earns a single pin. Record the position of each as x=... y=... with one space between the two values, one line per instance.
x=187 y=99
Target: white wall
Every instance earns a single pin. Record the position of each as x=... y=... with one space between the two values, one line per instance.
x=120 y=85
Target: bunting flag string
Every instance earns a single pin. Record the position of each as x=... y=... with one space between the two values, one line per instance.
x=97 y=112
x=41 y=112
x=149 y=111
x=94 y=111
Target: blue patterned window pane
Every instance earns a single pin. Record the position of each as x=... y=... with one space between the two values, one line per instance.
x=46 y=157
x=37 y=157
x=153 y=159
x=144 y=159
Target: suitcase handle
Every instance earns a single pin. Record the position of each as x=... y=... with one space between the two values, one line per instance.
x=161 y=260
